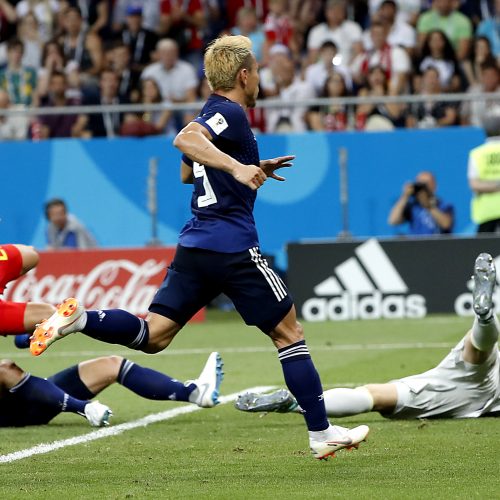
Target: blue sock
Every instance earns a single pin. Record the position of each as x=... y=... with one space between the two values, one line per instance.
x=22 y=341
x=116 y=326
x=43 y=392
x=151 y=384
x=303 y=381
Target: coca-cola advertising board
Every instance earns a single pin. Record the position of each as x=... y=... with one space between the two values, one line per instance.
x=99 y=279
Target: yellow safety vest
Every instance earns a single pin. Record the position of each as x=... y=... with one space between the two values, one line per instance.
x=486 y=206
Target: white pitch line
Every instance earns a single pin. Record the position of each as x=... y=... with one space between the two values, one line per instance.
x=238 y=350
x=42 y=448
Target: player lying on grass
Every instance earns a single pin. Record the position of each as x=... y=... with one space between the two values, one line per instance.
x=29 y=400
x=465 y=384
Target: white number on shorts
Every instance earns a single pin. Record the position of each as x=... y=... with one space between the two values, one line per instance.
x=209 y=197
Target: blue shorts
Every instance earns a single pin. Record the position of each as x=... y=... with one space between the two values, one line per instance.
x=196 y=277
x=15 y=412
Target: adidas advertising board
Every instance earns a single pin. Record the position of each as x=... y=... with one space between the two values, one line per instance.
x=385 y=278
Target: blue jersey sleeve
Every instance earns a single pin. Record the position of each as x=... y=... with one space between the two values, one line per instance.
x=187 y=160
x=225 y=121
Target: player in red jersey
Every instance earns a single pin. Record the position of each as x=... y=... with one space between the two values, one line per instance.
x=19 y=317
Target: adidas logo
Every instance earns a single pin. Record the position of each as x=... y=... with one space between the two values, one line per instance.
x=365 y=286
x=463 y=303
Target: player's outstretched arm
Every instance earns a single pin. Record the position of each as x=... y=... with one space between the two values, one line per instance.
x=270 y=166
x=194 y=141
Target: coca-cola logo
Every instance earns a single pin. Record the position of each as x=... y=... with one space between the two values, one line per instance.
x=119 y=283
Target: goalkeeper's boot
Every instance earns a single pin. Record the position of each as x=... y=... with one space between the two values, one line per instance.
x=484 y=278
x=97 y=414
x=60 y=324
x=280 y=401
x=337 y=438
x=206 y=394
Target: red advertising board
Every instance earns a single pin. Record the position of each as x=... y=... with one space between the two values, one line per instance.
x=99 y=279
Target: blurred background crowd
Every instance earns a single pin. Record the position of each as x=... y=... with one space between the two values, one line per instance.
x=90 y=52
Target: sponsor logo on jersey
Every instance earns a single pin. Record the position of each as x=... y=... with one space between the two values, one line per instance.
x=365 y=286
x=463 y=303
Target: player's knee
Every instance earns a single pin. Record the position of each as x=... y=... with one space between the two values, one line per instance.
x=112 y=365
x=9 y=370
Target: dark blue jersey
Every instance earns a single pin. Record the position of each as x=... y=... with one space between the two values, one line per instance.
x=222 y=207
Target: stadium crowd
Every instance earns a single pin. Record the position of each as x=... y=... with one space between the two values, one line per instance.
x=91 y=52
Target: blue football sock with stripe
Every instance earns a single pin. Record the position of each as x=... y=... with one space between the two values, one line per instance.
x=116 y=326
x=39 y=391
x=304 y=383
x=151 y=384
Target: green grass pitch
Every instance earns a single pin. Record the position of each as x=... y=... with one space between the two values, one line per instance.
x=222 y=453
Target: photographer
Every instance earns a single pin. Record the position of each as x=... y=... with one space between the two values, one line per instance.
x=419 y=206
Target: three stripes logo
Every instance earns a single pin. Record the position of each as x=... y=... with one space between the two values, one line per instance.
x=365 y=286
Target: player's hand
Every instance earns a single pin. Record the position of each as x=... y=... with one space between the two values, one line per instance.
x=408 y=189
x=270 y=166
x=250 y=175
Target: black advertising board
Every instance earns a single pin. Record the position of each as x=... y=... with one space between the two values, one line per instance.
x=372 y=278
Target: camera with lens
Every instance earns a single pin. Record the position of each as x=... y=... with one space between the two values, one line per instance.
x=420 y=186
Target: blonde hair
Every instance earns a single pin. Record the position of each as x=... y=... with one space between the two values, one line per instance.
x=224 y=57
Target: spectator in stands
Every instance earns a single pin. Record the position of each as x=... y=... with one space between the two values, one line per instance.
x=290 y=89
x=52 y=126
x=247 y=25
x=96 y=14
x=334 y=117
x=82 y=48
x=64 y=230
x=472 y=112
x=150 y=13
x=177 y=79
x=8 y=19
x=277 y=55
x=346 y=35
x=419 y=206
x=480 y=54
x=12 y=127
x=118 y=59
x=18 y=80
x=432 y=114
x=378 y=116
x=394 y=61
x=232 y=8
x=53 y=60
x=444 y=16
x=408 y=10
x=489 y=29
x=107 y=123
x=45 y=12
x=149 y=122
x=438 y=53
x=140 y=41
x=27 y=31
x=484 y=176
x=278 y=28
x=328 y=58
x=400 y=34
x=184 y=22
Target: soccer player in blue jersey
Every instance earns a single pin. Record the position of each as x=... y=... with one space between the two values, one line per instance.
x=218 y=249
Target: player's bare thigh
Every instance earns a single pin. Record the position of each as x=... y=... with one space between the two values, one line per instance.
x=162 y=331
x=29 y=256
x=288 y=331
x=385 y=396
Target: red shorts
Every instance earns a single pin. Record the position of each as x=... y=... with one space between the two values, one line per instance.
x=11 y=313
x=12 y=317
x=11 y=265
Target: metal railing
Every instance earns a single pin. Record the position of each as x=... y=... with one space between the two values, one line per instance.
x=264 y=103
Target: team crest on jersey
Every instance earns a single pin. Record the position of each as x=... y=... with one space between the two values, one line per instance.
x=217 y=123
